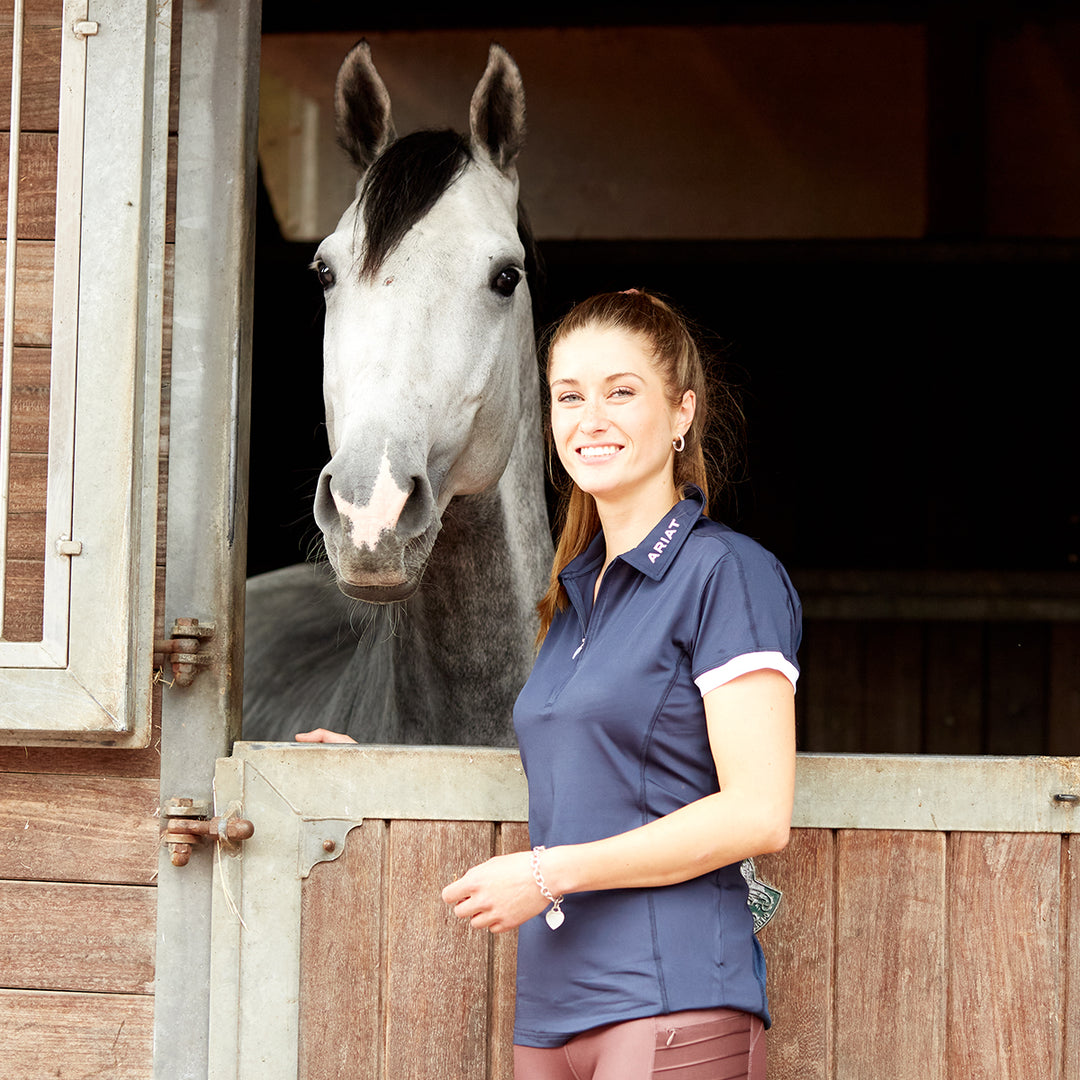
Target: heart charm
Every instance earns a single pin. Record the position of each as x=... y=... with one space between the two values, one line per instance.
x=554 y=918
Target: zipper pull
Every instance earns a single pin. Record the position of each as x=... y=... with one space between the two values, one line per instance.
x=578 y=649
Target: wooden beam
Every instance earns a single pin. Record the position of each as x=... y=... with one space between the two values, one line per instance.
x=97 y=938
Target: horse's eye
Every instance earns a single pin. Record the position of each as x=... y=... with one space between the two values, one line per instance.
x=323 y=273
x=506 y=281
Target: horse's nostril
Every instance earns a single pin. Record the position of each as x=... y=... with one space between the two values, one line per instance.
x=418 y=508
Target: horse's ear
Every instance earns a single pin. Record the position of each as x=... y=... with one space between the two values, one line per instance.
x=497 y=112
x=362 y=108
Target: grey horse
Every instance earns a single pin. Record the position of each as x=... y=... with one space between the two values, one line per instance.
x=432 y=506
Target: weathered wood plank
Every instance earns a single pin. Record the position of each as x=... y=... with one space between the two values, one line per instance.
x=1064 y=734
x=1070 y=950
x=1017 y=666
x=434 y=1036
x=39 y=108
x=33 y=296
x=75 y=1035
x=512 y=836
x=954 y=688
x=893 y=689
x=341 y=961
x=891 y=967
x=30 y=400
x=1005 y=1008
x=37 y=185
x=90 y=762
x=24 y=600
x=74 y=828
x=799 y=948
x=96 y=938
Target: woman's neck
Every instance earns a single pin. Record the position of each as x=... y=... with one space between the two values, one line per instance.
x=627 y=522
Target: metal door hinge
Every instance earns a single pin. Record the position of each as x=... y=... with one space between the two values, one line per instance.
x=187 y=825
x=182 y=650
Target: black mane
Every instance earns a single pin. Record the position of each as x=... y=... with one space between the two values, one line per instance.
x=403 y=184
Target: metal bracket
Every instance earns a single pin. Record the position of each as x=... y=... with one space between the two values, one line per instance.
x=322 y=840
x=181 y=650
x=84 y=28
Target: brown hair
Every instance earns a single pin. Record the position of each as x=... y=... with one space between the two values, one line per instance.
x=678 y=359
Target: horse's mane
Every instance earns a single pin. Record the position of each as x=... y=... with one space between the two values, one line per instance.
x=406 y=181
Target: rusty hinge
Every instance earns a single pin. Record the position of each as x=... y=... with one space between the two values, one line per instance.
x=181 y=650
x=187 y=825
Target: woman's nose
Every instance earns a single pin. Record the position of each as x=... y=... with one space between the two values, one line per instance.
x=593 y=417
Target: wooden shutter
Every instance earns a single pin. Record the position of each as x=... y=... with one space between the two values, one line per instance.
x=84 y=289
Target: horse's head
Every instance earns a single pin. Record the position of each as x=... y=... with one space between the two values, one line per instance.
x=429 y=337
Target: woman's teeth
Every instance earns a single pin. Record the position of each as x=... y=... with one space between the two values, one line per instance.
x=598 y=451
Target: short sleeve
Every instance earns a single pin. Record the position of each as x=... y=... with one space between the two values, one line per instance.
x=749 y=618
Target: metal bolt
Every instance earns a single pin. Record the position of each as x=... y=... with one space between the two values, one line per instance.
x=328 y=846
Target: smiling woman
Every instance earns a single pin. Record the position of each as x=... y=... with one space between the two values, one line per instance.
x=656 y=731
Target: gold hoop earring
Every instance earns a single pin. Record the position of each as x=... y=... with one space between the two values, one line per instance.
x=678 y=445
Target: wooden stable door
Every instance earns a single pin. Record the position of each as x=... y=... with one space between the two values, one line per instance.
x=913 y=940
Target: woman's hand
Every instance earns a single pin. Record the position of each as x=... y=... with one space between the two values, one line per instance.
x=322 y=735
x=498 y=895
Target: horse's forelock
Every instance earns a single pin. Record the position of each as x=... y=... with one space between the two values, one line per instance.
x=403 y=184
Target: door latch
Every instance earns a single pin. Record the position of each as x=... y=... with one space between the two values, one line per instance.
x=187 y=825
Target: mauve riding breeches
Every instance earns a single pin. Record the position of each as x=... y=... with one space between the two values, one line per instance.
x=699 y=1044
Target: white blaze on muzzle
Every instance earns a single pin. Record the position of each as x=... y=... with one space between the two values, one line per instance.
x=381 y=512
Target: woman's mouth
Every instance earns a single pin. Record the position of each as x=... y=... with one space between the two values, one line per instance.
x=598 y=453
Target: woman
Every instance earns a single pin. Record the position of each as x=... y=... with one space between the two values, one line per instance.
x=656 y=731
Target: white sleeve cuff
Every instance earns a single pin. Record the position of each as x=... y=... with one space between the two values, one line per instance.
x=740 y=665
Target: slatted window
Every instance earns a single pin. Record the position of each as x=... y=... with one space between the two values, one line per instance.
x=82 y=208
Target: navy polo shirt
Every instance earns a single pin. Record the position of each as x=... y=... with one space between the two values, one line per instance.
x=612 y=732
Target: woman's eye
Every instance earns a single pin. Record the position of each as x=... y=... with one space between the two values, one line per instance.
x=323 y=273
x=568 y=399
x=506 y=281
x=622 y=391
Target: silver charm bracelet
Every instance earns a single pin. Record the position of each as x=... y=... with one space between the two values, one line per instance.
x=554 y=917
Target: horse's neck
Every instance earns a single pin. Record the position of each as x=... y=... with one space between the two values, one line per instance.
x=466 y=645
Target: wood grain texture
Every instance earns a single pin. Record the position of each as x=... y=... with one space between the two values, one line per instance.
x=30 y=400
x=24 y=600
x=512 y=836
x=799 y=945
x=437 y=967
x=37 y=185
x=1070 y=948
x=954 y=688
x=33 y=296
x=40 y=103
x=97 y=938
x=75 y=1036
x=891 y=965
x=341 y=961
x=141 y=764
x=74 y=828
x=1005 y=1001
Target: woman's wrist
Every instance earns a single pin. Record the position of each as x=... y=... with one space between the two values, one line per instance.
x=556 y=867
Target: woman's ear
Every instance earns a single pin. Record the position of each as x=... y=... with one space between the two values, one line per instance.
x=687 y=408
